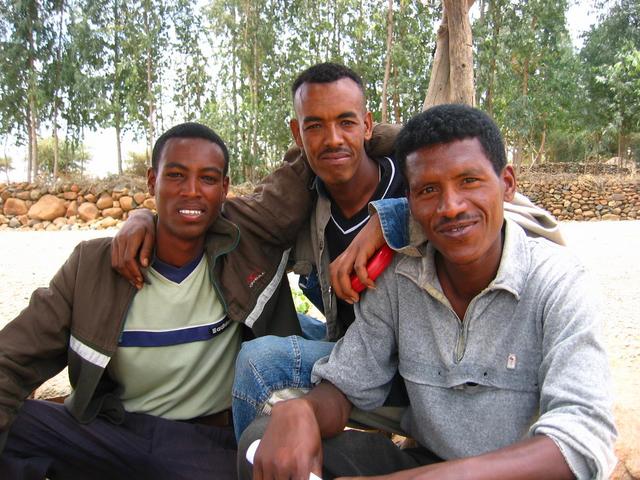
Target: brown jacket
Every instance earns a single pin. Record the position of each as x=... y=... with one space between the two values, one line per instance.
x=77 y=320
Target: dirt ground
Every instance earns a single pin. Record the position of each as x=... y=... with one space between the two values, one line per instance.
x=611 y=250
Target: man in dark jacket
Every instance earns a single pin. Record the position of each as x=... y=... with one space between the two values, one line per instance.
x=151 y=370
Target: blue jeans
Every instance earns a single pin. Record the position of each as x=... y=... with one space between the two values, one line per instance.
x=269 y=364
x=312 y=328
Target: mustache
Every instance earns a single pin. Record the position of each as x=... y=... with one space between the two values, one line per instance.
x=461 y=217
x=336 y=150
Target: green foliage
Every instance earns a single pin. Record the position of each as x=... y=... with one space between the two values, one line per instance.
x=302 y=303
x=266 y=44
x=137 y=164
x=6 y=165
x=72 y=156
x=140 y=66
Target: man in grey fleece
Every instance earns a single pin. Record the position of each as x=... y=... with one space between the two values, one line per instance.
x=494 y=333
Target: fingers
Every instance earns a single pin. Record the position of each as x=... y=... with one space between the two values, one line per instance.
x=147 y=249
x=340 y=273
x=136 y=235
x=120 y=259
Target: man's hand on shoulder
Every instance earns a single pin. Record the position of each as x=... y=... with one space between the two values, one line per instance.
x=292 y=445
x=134 y=241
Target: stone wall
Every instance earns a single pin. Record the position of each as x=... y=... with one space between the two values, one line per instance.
x=73 y=206
x=584 y=197
x=68 y=207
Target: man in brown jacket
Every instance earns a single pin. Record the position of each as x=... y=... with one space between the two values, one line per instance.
x=152 y=370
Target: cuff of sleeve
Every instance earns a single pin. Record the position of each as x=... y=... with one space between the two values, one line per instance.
x=3 y=440
x=579 y=460
x=394 y=219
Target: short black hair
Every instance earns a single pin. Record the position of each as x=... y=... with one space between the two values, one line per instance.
x=446 y=123
x=326 y=73
x=189 y=130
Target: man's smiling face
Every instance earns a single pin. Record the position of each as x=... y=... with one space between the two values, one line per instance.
x=189 y=187
x=457 y=198
x=331 y=126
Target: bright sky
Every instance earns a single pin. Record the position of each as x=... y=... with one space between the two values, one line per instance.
x=101 y=145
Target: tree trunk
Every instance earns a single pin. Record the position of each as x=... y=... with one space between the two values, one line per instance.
x=387 y=64
x=33 y=138
x=451 y=78
x=540 y=153
x=119 y=146
x=397 y=114
x=496 y=15
x=115 y=97
x=56 y=99
x=32 y=127
x=151 y=107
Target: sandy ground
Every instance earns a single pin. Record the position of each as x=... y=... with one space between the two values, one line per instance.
x=611 y=250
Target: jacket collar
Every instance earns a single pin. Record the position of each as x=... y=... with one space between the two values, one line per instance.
x=223 y=237
x=512 y=272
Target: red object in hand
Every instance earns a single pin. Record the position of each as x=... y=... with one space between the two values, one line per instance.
x=375 y=266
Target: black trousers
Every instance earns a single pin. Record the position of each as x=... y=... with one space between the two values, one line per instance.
x=352 y=453
x=45 y=441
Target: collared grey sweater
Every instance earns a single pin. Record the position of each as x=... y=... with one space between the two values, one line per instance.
x=525 y=360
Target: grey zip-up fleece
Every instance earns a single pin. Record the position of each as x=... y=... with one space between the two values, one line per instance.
x=525 y=360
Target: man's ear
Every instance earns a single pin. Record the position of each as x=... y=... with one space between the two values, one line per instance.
x=294 y=125
x=225 y=188
x=508 y=177
x=151 y=180
x=368 y=126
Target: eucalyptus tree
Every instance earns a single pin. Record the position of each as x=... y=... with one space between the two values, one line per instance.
x=24 y=50
x=617 y=33
x=189 y=62
x=526 y=72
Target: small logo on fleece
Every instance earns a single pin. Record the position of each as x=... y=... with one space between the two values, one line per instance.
x=253 y=278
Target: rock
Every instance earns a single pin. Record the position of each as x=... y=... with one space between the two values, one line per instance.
x=115 y=212
x=23 y=219
x=618 y=197
x=72 y=209
x=588 y=214
x=60 y=221
x=88 y=211
x=139 y=197
x=3 y=220
x=35 y=194
x=47 y=208
x=15 y=206
x=40 y=226
x=90 y=197
x=14 y=223
x=74 y=188
x=107 y=222
x=23 y=195
x=610 y=216
x=52 y=228
x=70 y=195
x=149 y=203
x=105 y=201
x=127 y=203
x=55 y=387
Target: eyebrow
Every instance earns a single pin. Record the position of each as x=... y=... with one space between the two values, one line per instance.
x=470 y=172
x=183 y=167
x=341 y=116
